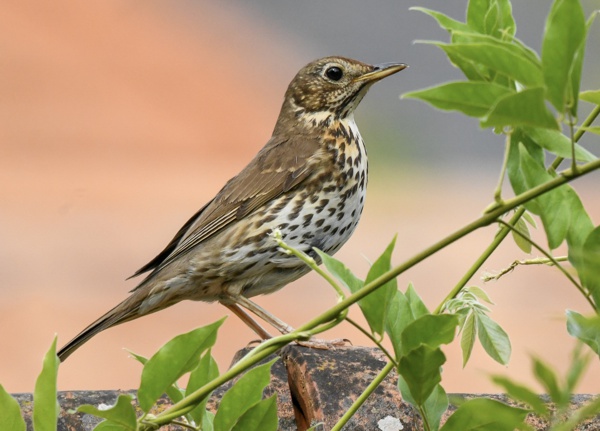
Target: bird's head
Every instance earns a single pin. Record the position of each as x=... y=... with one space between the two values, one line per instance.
x=333 y=85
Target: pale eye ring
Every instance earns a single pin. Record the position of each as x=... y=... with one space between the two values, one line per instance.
x=334 y=73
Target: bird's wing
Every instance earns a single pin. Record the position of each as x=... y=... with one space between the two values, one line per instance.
x=280 y=166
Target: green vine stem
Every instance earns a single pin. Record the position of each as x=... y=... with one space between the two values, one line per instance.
x=363 y=397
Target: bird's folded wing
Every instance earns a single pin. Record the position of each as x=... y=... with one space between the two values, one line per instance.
x=279 y=167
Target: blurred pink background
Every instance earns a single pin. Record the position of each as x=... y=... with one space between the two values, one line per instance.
x=118 y=120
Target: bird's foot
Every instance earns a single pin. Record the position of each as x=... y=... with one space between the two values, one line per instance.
x=316 y=343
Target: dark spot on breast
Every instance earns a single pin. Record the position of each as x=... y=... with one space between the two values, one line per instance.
x=319 y=222
x=322 y=205
x=307 y=219
x=340 y=215
x=269 y=218
x=293 y=227
x=349 y=173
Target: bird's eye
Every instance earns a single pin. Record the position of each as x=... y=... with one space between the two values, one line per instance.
x=334 y=73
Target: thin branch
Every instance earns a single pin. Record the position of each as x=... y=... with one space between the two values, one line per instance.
x=585 y=294
x=512 y=266
x=374 y=340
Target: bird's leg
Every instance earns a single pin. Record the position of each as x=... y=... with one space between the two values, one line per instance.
x=275 y=322
x=281 y=326
x=248 y=320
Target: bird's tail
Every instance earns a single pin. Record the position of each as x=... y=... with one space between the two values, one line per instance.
x=125 y=311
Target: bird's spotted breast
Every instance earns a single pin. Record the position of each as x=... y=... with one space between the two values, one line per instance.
x=322 y=213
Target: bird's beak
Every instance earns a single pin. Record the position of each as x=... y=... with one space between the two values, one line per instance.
x=382 y=70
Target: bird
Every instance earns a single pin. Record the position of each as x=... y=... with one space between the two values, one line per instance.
x=308 y=183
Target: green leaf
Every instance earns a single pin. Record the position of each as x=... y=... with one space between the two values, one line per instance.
x=525 y=108
x=592 y=96
x=176 y=358
x=421 y=371
x=479 y=293
x=471 y=98
x=575 y=73
x=467 y=339
x=431 y=330
x=435 y=406
x=557 y=143
x=173 y=391
x=444 y=21
x=483 y=414
x=592 y=129
x=507 y=25
x=122 y=414
x=563 y=37
x=493 y=17
x=513 y=166
x=588 y=262
x=208 y=420
x=521 y=240
x=523 y=49
x=340 y=272
x=375 y=305
x=501 y=57
x=548 y=380
x=476 y=15
x=45 y=404
x=244 y=394
x=553 y=207
x=398 y=318
x=261 y=417
x=10 y=419
x=206 y=371
x=493 y=339
x=586 y=329
x=529 y=219
x=417 y=306
x=522 y=393
x=405 y=392
x=579 y=364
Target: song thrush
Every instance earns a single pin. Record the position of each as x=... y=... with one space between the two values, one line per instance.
x=309 y=182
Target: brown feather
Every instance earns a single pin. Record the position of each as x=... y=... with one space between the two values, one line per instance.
x=281 y=165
